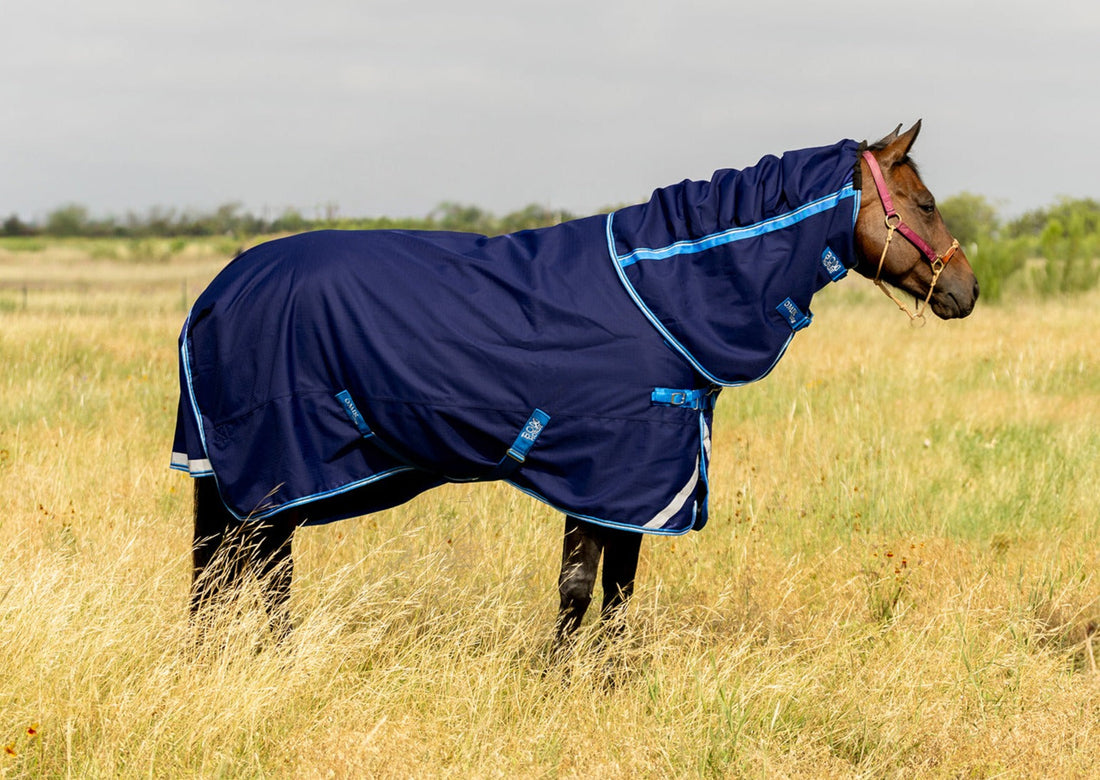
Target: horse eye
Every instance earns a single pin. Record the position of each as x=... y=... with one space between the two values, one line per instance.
x=928 y=208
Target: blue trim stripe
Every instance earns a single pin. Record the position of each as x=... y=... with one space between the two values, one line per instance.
x=620 y=263
x=261 y=514
x=596 y=520
x=185 y=361
x=739 y=233
x=665 y=334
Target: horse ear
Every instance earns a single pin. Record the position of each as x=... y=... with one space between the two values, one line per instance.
x=889 y=137
x=897 y=147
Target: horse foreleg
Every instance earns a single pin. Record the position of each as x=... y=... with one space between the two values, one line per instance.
x=226 y=552
x=580 y=559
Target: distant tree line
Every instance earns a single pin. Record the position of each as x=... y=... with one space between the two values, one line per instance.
x=231 y=219
x=1052 y=250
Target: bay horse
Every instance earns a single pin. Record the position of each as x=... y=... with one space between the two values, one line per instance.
x=336 y=373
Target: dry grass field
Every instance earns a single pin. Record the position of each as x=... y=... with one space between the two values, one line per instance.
x=899 y=577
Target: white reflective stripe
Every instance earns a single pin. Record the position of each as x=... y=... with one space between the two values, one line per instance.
x=198 y=467
x=661 y=518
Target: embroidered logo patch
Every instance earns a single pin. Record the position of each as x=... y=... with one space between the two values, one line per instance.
x=526 y=439
x=833 y=266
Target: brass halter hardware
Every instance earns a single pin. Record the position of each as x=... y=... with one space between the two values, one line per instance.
x=895 y=224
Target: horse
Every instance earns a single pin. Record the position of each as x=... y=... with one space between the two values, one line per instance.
x=584 y=360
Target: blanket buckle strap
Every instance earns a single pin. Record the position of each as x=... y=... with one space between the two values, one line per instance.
x=698 y=400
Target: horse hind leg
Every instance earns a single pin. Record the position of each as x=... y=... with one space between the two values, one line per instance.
x=214 y=564
x=620 y=566
x=226 y=553
x=583 y=546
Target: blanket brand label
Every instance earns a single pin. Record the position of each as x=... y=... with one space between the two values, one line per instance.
x=794 y=315
x=532 y=430
x=527 y=436
x=344 y=397
x=833 y=266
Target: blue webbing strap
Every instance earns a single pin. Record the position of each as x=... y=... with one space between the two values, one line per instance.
x=794 y=316
x=517 y=453
x=360 y=423
x=689 y=399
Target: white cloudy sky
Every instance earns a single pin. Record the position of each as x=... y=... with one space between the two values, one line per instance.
x=392 y=107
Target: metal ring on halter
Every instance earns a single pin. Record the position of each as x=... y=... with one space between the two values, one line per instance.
x=894 y=223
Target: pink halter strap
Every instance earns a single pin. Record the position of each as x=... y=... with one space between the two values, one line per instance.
x=894 y=219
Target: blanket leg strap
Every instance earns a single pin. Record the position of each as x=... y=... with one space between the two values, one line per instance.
x=511 y=461
x=357 y=419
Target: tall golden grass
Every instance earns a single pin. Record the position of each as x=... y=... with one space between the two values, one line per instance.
x=899 y=575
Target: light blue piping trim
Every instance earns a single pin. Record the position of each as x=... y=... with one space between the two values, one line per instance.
x=740 y=233
x=704 y=460
x=597 y=520
x=185 y=361
x=691 y=247
x=281 y=507
x=656 y=323
x=319 y=496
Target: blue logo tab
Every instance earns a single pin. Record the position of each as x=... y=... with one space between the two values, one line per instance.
x=344 y=397
x=793 y=315
x=526 y=439
x=833 y=266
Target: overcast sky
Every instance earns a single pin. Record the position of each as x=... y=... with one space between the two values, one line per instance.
x=393 y=107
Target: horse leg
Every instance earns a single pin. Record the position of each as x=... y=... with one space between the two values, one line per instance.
x=273 y=563
x=620 y=565
x=226 y=552
x=580 y=558
x=214 y=538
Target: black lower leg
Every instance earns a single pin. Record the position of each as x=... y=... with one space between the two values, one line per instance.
x=214 y=562
x=580 y=558
x=226 y=552
x=271 y=552
x=620 y=565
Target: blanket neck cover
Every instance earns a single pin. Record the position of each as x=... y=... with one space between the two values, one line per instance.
x=342 y=372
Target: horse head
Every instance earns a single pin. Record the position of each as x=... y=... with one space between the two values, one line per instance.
x=901 y=238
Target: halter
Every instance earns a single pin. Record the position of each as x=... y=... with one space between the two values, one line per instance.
x=894 y=223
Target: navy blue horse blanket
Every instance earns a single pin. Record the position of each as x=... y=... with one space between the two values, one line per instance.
x=342 y=372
